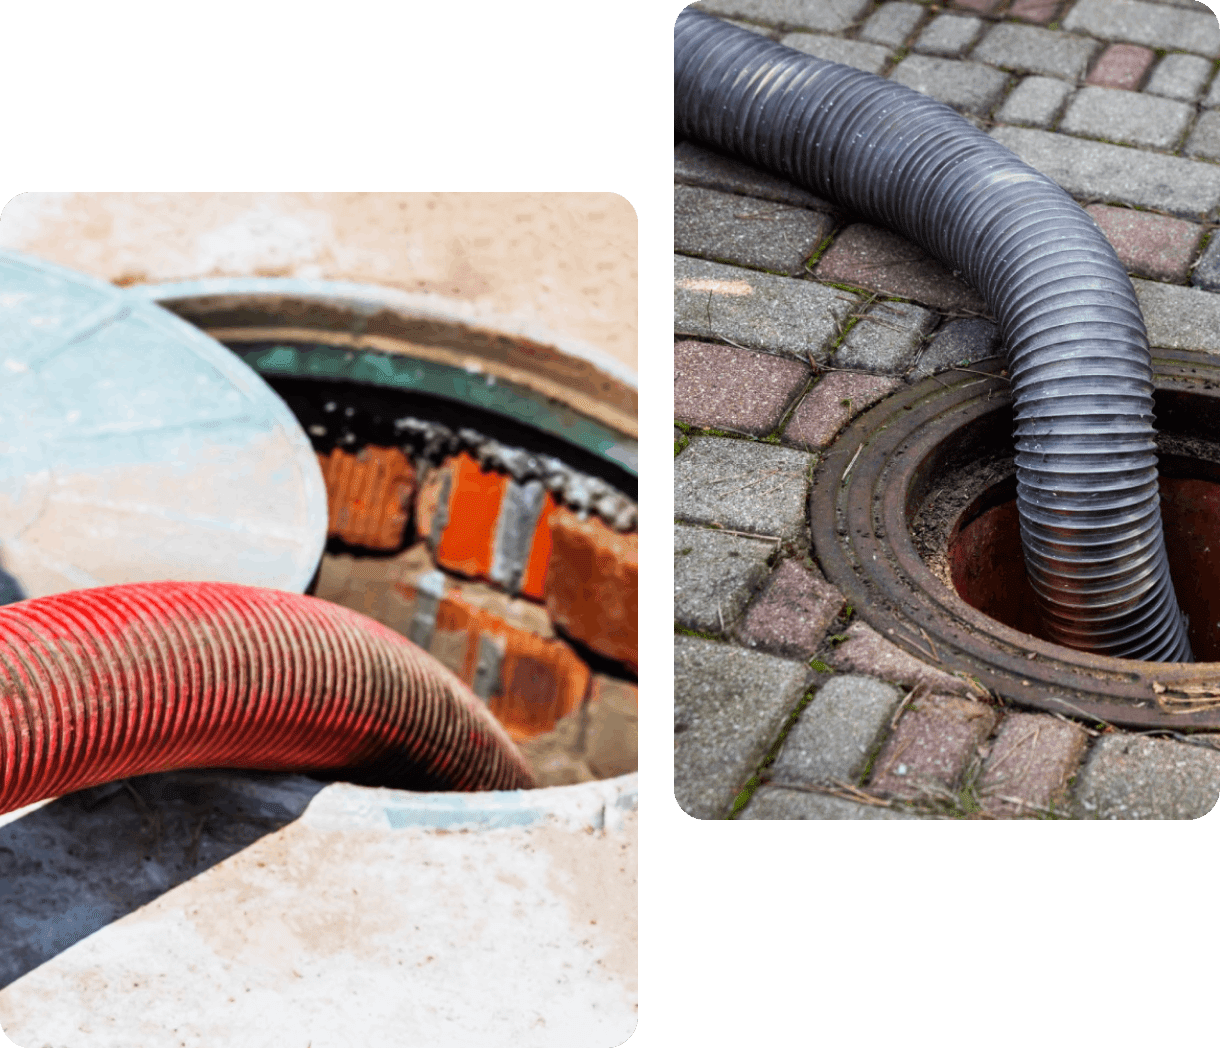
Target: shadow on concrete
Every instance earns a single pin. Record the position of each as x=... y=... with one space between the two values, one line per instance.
x=85 y=860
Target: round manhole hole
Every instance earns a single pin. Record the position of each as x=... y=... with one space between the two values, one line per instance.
x=481 y=489
x=914 y=519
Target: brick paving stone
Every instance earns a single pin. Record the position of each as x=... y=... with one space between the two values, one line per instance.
x=949 y=35
x=1206 y=273
x=592 y=584
x=1121 y=66
x=1036 y=101
x=795 y=318
x=887 y=338
x=792 y=612
x=836 y=733
x=1121 y=116
x=731 y=228
x=1179 y=76
x=829 y=16
x=868 y=257
x=1204 y=140
x=865 y=651
x=983 y=7
x=936 y=738
x=872 y=58
x=1180 y=317
x=369 y=496
x=1037 y=11
x=696 y=166
x=1140 y=777
x=969 y=87
x=772 y=802
x=714 y=576
x=1137 y=22
x=1213 y=95
x=1030 y=49
x=729 y=706
x=836 y=399
x=1098 y=170
x=738 y=389
x=611 y=732
x=959 y=342
x=1151 y=245
x=1030 y=762
x=738 y=484
x=892 y=23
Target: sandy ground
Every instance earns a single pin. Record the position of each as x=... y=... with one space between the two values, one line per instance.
x=565 y=262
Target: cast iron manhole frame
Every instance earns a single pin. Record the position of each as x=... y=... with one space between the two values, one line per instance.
x=860 y=504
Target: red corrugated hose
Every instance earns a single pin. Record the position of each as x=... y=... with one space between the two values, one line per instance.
x=101 y=684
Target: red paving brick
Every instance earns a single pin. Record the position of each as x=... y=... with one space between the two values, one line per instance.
x=592 y=585
x=736 y=389
x=837 y=398
x=866 y=651
x=1150 y=245
x=368 y=495
x=1122 y=66
x=793 y=612
x=1037 y=11
x=1031 y=760
x=983 y=7
x=867 y=257
x=926 y=754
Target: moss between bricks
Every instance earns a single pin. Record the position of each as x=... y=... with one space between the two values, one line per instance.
x=755 y=780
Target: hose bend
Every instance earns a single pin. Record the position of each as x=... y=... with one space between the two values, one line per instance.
x=105 y=683
x=1077 y=349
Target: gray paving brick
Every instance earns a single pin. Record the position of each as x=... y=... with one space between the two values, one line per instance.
x=714 y=575
x=1036 y=101
x=1180 y=76
x=1213 y=95
x=729 y=706
x=869 y=57
x=1127 y=117
x=738 y=484
x=795 y=318
x=748 y=232
x=1030 y=49
x=967 y=86
x=734 y=389
x=1204 y=140
x=696 y=166
x=830 y=16
x=949 y=35
x=771 y=802
x=1141 y=777
x=887 y=338
x=837 y=732
x=891 y=24
x=1206 y=273
x=1180 y=317
x=959 y=342
x=1137 y=22
x=1187 y=188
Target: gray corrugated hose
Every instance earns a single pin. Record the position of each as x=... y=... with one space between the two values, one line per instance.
x=1077 y=350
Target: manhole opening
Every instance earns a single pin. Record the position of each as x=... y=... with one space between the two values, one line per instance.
x=965 y=523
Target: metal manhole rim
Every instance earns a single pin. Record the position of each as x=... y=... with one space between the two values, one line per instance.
x=858 y=524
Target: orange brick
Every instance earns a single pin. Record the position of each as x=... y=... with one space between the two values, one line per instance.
x=592 y=585
x=467 y=543
x=534 y=579
x=368 y=495
x=543 y=681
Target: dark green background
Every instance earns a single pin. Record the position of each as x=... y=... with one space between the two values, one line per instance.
x=827 y=933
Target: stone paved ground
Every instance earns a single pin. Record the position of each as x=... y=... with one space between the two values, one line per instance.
x=788 y=705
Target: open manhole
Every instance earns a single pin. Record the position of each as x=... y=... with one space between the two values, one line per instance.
x=914 y=519
x=482 y=497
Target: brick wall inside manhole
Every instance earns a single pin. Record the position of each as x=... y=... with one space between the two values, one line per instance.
x=508 y=553
x=921 y=535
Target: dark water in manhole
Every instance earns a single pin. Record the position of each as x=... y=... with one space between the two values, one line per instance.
x=988 y=570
